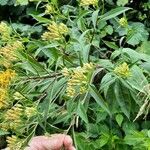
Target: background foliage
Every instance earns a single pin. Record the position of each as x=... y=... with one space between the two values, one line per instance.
x=81 y=68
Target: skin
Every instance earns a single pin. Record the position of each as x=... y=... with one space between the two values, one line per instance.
x=54 y=142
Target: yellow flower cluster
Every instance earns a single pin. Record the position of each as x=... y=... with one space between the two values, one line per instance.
x=14 y=143
x=56 y=31
x=5 y=79
x=4 y=126
x=123 y=70
x=3 y=98
x=49 y=9
x=8 y=52
x=13 y=116
x=88 y=2
x=5 y=32
x=30 y=111
x=123 y=22
x=65 y=72
x=78 y=79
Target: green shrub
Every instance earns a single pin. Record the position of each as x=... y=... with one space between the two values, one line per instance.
x=75 y=67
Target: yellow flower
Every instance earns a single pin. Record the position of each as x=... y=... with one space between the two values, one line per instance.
x=3 y=98
x=46 y=36
x=6 y=77
x=70 y=91
x=78 y=82
x=65 y=72
x=17 y=45
x=123 y=70
x=14 y=143
x=123 y=22
x=4 y=126
x=56 y=31
x=13 y=116
x=30 y=111
x=49 y=9
x=88 y=2
x=88 y=66
x=5 y=31
x=8 y=52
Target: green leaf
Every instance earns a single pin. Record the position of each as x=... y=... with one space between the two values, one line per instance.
x=134 y=138
x=137 y=80
x=95 y=17
x=120 y=98
x=119 y=119
x=113 y=13
x=148 y=133
x=146 y=66
x=109 y=29
x=144 y=48
x=82 y=113
x=82 y=142
x=30 y=63
x=40 y=19
x=106 y=83
x=137 y=33
x=103 y=140
x=111 y=45
x=98 y=98
x=21 y=2
x=122 y=2
x=42 y=48
x=134 y=55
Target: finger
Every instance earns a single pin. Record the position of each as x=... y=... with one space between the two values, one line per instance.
x=57 y=141
x=29 y=148
x=37 y=143
x=67 y=142
x=54 y=142
x=71 y=148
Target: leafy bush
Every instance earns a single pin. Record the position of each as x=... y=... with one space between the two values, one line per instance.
x=75 y=67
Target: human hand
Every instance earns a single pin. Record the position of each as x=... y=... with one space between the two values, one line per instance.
x=54 y=142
